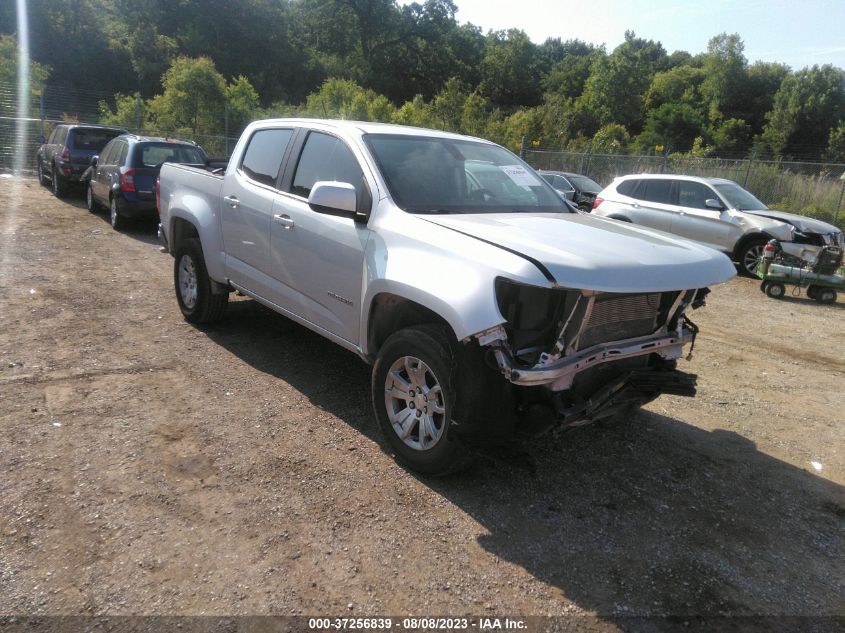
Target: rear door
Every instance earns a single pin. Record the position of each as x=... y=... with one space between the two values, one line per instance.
x=652 y=205
x=246 y=209
x=318 y=259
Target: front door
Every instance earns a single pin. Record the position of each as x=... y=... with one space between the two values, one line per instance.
x=318 y=259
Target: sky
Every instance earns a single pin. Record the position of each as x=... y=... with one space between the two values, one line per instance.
x=796 y=33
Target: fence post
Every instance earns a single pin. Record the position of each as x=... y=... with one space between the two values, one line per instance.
x=747 y=172
x=226 y=127
x=41 y=112
x=589 y=159
x=137 y=112
x=839 y=204
x=522 y=148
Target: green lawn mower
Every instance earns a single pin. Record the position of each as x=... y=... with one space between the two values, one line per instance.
x=822 y=278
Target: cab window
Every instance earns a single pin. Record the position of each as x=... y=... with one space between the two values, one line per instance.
x=325 y=157
x=693 y=194
x=263 y=156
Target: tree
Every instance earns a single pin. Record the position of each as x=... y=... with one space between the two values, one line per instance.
x=193 y=100
x=510 y=70
x=724 y=87
x=615 y=89
x=836 y=144
x=673 y=126
x=808 y=105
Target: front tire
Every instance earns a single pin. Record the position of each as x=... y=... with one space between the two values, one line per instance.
x=750 y=255
x=193 y=285
x=775 y=290
x=825 y=295
x=413 y=390
x=42 y=178
x=91 y=203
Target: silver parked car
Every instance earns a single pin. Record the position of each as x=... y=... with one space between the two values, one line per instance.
x=715 y=212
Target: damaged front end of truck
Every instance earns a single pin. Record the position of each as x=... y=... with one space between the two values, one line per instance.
x=577 y=356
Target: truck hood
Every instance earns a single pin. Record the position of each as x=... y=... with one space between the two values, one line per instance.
x=591 y=253
x=800 y=222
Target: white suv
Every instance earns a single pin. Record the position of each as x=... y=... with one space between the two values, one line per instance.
x=715 y=212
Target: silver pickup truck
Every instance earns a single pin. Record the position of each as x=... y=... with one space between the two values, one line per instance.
x=486 y=305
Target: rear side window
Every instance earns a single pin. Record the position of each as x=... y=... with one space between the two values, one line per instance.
x=108 y=152
x=264 y=154
x=626 y=187
x=124 y=150
x=325 y=157
x=655 y=191
x=91 y=139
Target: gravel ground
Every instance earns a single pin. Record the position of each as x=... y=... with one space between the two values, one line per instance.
x=150 y=467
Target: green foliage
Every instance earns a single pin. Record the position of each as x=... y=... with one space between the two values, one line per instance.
x=725 y=69
x=672 y=126
x=9 y=59
x=510 y=69
x=836 y=144
x=611 y=139
x=807 y=106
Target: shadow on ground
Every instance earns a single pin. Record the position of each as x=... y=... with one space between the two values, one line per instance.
x=651 y=517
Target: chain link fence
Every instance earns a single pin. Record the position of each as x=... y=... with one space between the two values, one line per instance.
x=21 y=136
x=813 y=189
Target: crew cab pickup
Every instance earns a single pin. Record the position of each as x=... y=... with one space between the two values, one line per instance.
x=485 y=304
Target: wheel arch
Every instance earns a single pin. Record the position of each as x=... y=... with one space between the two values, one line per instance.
x=747 y=239
x=389 y=312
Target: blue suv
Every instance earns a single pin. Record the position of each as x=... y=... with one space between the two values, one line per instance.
x=123 y=177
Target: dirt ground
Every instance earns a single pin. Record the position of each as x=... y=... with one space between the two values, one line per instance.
x=151 y=467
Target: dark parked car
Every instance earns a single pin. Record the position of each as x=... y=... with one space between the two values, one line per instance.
x=575 y=187
x=66 y=155
x=123 y=177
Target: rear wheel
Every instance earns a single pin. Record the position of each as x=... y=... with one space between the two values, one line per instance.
x=118 y=221
x=775 y=290
x=193 y=285
x=825 y=295
x=413 y=389
x=60 y=184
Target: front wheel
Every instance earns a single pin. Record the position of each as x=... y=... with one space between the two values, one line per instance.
x=42 y=177
x=749 y=256
x=92 y=204
x=775 y=290
x=413 y=389
x=193 y=285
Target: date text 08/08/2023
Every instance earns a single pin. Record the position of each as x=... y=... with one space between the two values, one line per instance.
x=418 y=623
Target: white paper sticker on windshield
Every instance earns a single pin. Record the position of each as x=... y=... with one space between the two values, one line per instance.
x=520 y=175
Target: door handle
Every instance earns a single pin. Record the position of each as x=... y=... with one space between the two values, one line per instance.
x=284 y=220
x=232 y=201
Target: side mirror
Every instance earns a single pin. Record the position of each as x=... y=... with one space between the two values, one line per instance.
x=712 y=203
x=94 y=159
x=334 y=198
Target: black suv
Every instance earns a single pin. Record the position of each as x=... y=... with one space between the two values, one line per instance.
x=123 y=177
x=66 y=155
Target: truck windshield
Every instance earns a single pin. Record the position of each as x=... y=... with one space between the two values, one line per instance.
x=739 y=198
x=444 y=175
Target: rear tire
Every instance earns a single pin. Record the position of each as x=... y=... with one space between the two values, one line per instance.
x=414 y=395
x=825 y=295
x=193 y=285
x=118 y=222
x=60 y=184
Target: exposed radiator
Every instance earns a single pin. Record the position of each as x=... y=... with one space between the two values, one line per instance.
x=619 y=317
